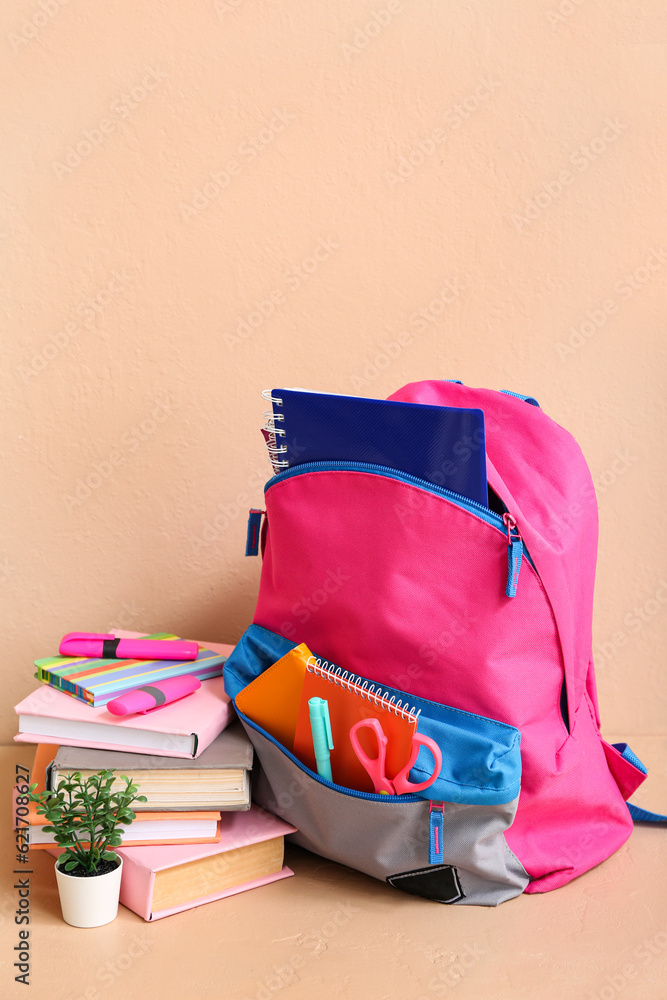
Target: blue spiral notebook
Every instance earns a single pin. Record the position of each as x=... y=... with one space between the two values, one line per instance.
x=444 y=445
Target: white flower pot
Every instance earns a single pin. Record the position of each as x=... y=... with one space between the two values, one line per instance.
x=92 y=901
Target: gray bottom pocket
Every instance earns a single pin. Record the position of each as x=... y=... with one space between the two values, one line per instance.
x=388 y=837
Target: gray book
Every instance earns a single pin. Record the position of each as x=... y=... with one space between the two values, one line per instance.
x=219 y=779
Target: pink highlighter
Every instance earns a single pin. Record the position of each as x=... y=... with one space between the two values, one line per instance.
x=152 y=696
x=107 y=647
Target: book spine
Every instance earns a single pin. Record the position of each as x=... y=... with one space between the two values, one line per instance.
x=208 y=733
x=136 y=887
x=102 y=745
x=61 y=684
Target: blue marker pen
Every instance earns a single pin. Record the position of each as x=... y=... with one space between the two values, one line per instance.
x=320 y=725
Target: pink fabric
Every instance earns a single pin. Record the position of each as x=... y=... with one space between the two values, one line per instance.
x=408 y=589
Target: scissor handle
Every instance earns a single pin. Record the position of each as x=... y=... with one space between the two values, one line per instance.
x=374 y=765
x=401 y=783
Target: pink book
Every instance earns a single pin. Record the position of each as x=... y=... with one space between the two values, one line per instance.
x=238 y=830
x=182 y=729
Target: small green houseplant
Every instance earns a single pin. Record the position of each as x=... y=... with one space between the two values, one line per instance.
x=85 y=816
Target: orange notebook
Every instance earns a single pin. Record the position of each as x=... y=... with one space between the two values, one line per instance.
x=350 y=699
x=277 y=701
x=272 y=700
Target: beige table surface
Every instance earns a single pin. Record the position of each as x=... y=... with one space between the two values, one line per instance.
x=332 y=932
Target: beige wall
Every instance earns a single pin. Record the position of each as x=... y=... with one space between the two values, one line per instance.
x=169 y=168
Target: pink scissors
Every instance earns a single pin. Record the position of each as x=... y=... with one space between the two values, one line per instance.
x=376 y=765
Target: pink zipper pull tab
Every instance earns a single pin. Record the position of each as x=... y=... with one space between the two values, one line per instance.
x=514 y=554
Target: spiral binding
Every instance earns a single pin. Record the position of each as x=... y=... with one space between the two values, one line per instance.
x=357 y=685
x=270 y=420
x=270 y=398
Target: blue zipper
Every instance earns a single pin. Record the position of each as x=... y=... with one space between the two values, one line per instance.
x=516 y=543
x=323 y=781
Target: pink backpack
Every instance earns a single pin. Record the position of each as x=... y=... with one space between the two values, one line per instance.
x=482 y=618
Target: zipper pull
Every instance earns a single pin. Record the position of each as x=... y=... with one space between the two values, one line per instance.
x=514 y=554
x=436 y=822
x=252 y=538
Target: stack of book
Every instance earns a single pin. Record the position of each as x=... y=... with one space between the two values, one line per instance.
x=197 y=837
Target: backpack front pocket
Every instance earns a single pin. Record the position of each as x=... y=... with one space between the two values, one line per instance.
x=446 y=843
x=389 y=837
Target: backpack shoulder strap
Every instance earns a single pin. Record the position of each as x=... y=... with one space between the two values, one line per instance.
x=638 y=814
x=526 y=399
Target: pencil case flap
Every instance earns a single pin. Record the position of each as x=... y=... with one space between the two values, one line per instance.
x=481 y=757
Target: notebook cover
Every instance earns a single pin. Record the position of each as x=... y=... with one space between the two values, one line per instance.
x=346 y=708
x=272 y=700
x=205 y=713
x=444 y=445
x=97 y=681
